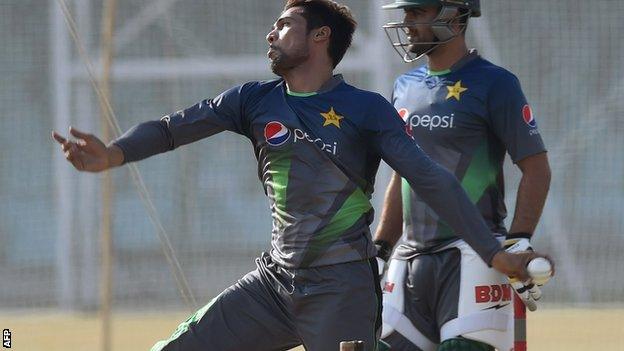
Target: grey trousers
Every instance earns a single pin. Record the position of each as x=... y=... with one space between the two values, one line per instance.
x=274 y=308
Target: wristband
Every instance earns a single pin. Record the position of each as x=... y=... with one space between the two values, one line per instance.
x=384 y=249
x=519 y=235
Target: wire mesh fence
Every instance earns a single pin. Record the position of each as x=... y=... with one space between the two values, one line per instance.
x=172 y=53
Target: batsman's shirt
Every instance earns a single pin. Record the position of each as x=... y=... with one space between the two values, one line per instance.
x=466 y=119
x=317 y=159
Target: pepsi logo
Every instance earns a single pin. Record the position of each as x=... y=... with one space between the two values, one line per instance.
x=276 y=133
x=527 y=115
x=404 y=113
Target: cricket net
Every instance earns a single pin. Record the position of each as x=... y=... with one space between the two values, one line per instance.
x=169 y=54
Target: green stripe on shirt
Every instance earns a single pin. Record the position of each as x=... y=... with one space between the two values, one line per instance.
x=354 y=207
x=480 y=175
x=279 y=168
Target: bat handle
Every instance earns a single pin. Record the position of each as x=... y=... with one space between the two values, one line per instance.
x=354 y=345
x=520 y=327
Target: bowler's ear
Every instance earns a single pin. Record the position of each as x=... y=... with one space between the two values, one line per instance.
x=321 y=34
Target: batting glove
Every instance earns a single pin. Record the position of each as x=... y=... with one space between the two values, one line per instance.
x=384 y=250
x=528 y=292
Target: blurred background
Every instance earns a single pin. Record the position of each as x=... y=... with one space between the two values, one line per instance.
x=60 y=289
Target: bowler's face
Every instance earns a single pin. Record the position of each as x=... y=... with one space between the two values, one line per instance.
x=288 y=41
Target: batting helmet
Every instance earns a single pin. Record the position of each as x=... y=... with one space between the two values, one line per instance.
x=472 y=5
x=450 y=12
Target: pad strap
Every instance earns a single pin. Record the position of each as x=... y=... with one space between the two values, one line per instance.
x=472 y=323
x=461 y=344
x=404 y=326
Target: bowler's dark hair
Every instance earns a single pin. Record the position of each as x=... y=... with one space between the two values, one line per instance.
x=338 y=18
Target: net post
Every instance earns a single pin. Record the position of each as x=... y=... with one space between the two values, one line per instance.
x=106 y=293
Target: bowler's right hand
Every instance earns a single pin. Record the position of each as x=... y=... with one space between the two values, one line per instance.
x=87 y=152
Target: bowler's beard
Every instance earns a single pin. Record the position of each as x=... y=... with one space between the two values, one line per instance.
x=282 y=63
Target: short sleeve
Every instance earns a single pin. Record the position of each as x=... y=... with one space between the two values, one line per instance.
x=511 y=118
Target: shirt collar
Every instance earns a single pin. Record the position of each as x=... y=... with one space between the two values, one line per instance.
x=333 y=82
x=471 y=55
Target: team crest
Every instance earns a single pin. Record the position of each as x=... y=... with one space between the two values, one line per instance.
x=455 y=91
x=331 y=118
x=276 y=134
